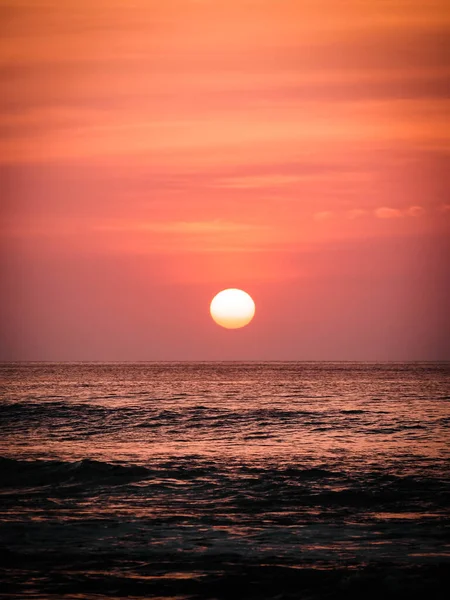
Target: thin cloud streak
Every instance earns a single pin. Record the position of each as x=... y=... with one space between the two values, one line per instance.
x=199 y=227
x=388 y=213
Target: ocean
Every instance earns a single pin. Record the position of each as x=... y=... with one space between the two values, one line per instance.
x=224 y=480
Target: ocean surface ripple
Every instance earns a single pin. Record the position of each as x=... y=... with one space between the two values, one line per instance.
x=224 y=480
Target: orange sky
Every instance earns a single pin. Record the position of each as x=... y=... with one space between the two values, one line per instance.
x=153 y=153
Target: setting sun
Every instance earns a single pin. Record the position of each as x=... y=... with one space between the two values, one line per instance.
x=232 y=308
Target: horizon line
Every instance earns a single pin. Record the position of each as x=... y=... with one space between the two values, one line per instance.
x=197 y=361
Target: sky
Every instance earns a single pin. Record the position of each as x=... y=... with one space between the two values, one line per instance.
x=154 y=153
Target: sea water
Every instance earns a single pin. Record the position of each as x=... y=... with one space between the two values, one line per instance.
x=224 y=480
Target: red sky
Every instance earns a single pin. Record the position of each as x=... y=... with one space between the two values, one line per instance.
x=153 y=153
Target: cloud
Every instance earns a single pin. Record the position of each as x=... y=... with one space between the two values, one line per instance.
x=388 y=213
x=394 y=213
x=179 y=227
x=260 y=181
x=415 y=211
x=324 y=215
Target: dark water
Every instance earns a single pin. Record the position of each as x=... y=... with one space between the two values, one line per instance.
x=275 y=480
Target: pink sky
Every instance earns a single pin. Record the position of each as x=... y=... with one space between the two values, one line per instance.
x=153 y=153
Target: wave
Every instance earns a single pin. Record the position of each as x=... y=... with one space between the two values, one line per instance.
x=34 y=473
x=24 y=473
x=244 y=486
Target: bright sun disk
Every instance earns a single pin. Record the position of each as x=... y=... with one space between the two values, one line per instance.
x=232 y=308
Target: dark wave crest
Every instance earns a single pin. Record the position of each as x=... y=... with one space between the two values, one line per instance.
x=240 y=487
x=18 y=473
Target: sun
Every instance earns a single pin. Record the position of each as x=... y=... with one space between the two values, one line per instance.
x=232 y=308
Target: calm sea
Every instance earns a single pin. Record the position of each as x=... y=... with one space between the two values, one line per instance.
x=224 y=480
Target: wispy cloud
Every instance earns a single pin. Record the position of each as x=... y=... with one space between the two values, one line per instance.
x=262 y=181
x=387 y=213
x=415 y=211
x=324 y=215
x=395 y=213
x=179 y=227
